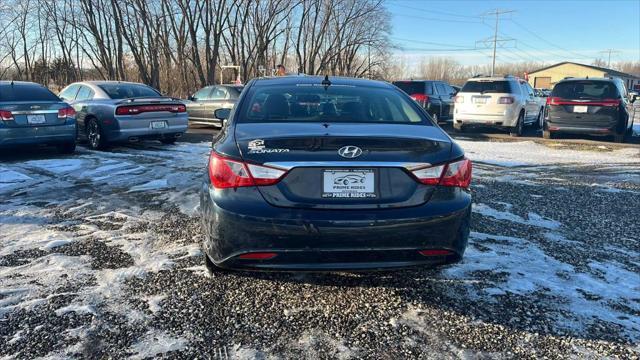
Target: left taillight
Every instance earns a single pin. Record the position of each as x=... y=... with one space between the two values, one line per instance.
x=67 y=112
x=6 y=115
x=454 y=174
x=227 y=173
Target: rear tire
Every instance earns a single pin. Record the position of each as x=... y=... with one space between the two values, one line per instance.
x=458 y=127
x=67 y=148
x=548 y=134
x=620 y=138
x=95 y=138
x=516 y=131
x=540 y=124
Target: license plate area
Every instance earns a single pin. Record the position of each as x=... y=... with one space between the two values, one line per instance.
x=580 y=109
x=36 y=119
x=158 y=124
x=348 y=183
x=479 y=100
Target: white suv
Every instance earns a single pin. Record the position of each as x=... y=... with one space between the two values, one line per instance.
x=505 y=102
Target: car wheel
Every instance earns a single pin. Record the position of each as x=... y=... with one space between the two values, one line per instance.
x=620 y=138
x=169 y=141
x=541 y=119
x=458 y=127
x=67 y=148
x=94 y=135
x=548 y=134
x=517 y=130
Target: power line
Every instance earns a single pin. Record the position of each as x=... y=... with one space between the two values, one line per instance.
x=432 y=11
x=549 y=42
x=430 y=43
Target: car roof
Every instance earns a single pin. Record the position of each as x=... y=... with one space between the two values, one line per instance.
x=105 y=82
x=494 y=78
x=304 y=79
x=409 y=81
x=8 y=82
x=586 y=79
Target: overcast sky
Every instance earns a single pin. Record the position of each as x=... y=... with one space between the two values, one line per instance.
x=549 y=31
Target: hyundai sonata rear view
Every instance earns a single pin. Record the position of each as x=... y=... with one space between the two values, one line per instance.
x=317 y=173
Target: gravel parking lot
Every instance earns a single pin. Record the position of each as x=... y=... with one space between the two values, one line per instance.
x=100 y=257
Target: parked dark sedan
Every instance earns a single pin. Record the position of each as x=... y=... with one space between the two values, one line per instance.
x=30 y=114
x=274 y=195
x=116 y=111
x=594 y=106
x=437 y=97
x=204 y=102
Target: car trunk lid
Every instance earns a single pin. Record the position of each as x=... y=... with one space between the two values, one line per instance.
x=34 y=114
x=319 y=177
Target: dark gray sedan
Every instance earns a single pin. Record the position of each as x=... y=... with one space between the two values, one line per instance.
x=114 y=111
x=204 y=102
x=30 y=115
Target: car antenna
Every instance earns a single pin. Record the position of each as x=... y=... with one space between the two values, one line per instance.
x=326 y=83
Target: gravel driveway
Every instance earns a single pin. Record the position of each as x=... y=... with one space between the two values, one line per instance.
x=100 y=257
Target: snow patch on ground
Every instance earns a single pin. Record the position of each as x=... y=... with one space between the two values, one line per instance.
x=9 y=177
x=156 y=343
x=56 y=166
x=533 y=218
x=529 y=153
x=529 y=269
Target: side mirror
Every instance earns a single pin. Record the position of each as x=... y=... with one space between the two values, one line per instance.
x=222 y=114
x=191 y=98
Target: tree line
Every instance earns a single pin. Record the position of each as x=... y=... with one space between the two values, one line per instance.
x=178 y=46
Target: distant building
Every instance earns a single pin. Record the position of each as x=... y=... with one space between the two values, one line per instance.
x=547 y=77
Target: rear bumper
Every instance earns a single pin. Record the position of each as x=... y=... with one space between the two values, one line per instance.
x=313 y=240
x=508 y=118
x=55 y=134
x=131 y=129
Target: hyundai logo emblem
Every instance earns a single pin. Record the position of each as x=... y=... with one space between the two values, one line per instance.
x=350 y=151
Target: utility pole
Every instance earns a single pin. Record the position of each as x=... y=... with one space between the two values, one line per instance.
x=610 y=51
x=495 y=40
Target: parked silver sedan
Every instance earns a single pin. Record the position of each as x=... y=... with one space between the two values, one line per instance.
x=115 y=111
x=204 y=102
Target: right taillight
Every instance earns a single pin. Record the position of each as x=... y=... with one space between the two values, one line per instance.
x=422 y=99
x=455 y=174
x=6 y=115
x=226 y=173
x=506 y=100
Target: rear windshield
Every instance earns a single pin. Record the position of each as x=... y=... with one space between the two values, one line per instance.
x=26 y=92
x=127 y=91
x=487 y=87
x=338 y=103
x=411 y=87
x=587 y=89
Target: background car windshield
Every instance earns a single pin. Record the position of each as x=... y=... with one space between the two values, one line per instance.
x=24 y=92
x=585 y=90
x=411 y=87
x=307 y=103
x=126 y=91
x=487 y=86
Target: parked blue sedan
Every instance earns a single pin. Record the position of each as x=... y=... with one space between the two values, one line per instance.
x=30 y=114
x=118 y=111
